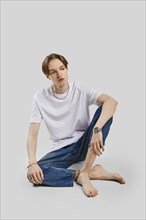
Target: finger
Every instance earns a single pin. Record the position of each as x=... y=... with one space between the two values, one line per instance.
x=101 y=144
x=38 y=175
x=96 y=150
x=102 y=147
x=42 y=175
x=98 y=147
x=35 y=178
x=31 y=179
x=93 y=148
x=34 y=182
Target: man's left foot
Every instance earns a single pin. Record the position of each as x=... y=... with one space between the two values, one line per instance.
x=99 y=173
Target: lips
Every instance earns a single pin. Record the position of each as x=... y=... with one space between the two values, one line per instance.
x=60 y=80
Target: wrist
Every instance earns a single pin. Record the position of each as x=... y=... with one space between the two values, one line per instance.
x=31 y=164
x=97 y=129
x=32 y=161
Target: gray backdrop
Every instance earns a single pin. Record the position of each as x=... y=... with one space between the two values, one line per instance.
x=104 y=44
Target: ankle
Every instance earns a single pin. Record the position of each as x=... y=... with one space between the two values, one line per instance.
x=85 y=171
x=77 y=174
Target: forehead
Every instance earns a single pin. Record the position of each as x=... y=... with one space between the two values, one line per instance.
x=55 y=63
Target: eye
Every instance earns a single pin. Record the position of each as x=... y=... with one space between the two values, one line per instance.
x=62 y=68
x=52 y=72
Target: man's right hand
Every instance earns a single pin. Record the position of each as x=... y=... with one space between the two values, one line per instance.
x=35 y=174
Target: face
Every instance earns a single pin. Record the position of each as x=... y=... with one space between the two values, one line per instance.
x=58 y=72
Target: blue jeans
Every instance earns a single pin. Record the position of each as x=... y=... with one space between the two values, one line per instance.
x=54 y=164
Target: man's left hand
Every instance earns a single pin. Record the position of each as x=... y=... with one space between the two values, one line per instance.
x=97 y=144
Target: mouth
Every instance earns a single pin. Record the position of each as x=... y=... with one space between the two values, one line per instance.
x=61 y=80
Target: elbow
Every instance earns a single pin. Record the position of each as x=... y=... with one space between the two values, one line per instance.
x=115 y=102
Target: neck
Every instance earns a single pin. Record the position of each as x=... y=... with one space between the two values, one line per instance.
x=60 y=88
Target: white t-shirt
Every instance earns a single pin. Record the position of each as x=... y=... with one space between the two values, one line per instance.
x=66 y=119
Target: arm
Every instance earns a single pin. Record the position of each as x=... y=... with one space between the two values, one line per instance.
x=108 y=109
x=32 y=142
x=34 y=173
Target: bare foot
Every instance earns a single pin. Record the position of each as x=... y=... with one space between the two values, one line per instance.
x=84 y=181
x=99 y=173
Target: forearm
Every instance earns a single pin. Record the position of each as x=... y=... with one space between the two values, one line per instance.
x=108 y=110
x=34 y=172
x=31 y=149
x=32 y=142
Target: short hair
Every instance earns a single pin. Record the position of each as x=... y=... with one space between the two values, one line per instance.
x=50 y=57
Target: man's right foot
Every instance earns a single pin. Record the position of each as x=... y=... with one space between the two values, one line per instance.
x=84 y=181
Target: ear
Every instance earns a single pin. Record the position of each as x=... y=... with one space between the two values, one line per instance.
x=48 y=77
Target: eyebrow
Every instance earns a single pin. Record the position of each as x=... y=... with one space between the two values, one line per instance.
x=59 y=67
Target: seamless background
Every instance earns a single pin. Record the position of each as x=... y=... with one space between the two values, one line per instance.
x=104 y=43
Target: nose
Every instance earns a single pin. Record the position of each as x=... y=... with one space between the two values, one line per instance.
x=58 y=74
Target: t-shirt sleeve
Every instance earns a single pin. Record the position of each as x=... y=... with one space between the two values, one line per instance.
x=92 y=95
x=36 y=116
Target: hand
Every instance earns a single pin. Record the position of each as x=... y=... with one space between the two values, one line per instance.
x=35 y=174
x=97 y=144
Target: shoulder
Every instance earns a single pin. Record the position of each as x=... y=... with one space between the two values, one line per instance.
x=41 y=93
x=79 y=85
x=85 y=88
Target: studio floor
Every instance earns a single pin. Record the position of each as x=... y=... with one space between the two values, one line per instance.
x=114 y=201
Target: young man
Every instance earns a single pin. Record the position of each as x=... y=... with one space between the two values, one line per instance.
x=64 y=107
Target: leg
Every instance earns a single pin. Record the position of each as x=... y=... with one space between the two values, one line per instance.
x=54 y=166
x=99 y=173
x=86 y=172
x=82 y=144
x=96 y=173
x=84 y=175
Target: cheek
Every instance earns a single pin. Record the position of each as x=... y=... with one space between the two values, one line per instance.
x=66 y=72
x=51 y=78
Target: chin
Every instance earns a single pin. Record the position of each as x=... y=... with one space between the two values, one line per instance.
x=63 y=83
